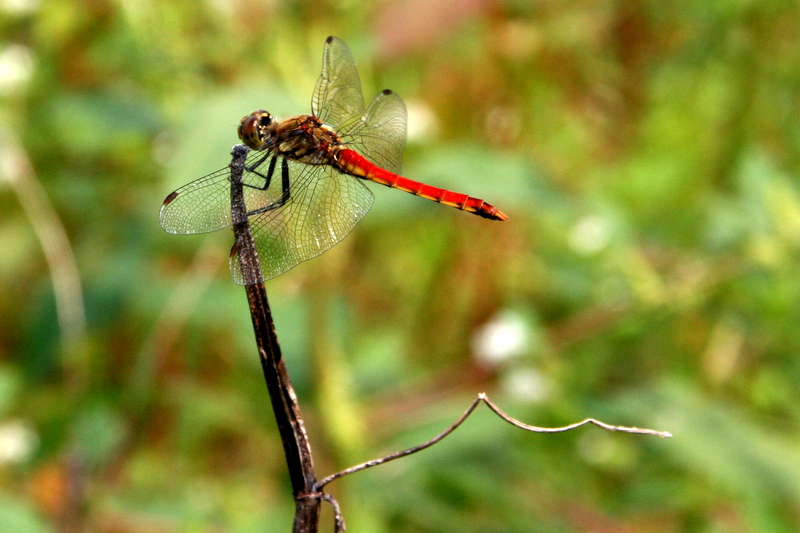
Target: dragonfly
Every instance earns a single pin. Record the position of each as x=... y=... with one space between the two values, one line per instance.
x=303 y=180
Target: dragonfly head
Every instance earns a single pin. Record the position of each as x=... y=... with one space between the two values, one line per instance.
x=254 y=129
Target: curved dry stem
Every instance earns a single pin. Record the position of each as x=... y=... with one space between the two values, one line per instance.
x=482 y=397
x=338 y=526
x=17 y=170
x=603 y=425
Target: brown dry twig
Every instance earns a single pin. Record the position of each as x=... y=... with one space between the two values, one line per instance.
x=282 y=396
x=482 y=397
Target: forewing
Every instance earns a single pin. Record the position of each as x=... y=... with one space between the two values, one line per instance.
x=323 y=207
x=204 y=205
x=337 y=97
x=380 y=133
x=198 y=207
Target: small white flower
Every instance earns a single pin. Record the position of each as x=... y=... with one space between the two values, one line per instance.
x=590 y=235
x=526 y=385
x=17 y=442
x=19 y=7
x=422 y=122
x=16 y=67
x=505 y=336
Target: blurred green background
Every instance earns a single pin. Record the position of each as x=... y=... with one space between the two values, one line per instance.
x=647 y=154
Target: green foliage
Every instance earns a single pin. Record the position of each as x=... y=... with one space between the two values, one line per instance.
x=647 y=154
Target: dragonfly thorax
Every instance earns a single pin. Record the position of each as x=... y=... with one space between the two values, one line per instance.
x=303 y=138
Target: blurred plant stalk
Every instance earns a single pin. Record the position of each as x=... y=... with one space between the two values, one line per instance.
x=17 y=170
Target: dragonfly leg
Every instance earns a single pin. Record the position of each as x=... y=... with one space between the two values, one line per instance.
x=270 y=171
x=285 y=187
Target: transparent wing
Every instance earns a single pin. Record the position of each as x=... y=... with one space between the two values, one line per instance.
x=380 y=133
x=337 y=97
x=322 y=208
x=204 y=205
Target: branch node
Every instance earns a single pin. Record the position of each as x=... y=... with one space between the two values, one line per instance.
x=339 y=524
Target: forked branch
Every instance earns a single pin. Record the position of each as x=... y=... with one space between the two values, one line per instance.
x=482 y=397
x=307 y=491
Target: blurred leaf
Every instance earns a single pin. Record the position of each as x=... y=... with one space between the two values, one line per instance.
x=648 y=156
x=18 y=516
x=10 y=387
x=99 y=433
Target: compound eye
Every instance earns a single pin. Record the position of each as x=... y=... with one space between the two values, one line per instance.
x=248 y=126
x=251 y=130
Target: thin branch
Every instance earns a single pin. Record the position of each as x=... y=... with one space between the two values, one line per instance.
x=338 y=525
x=482 y=397
x=603 y=425
x=338 y=519
x=284 y=401
x=397 y=455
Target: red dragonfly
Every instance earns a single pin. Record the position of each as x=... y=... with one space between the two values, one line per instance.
x=318 y=158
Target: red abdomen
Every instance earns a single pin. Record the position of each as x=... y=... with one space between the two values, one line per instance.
x=356 y=165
